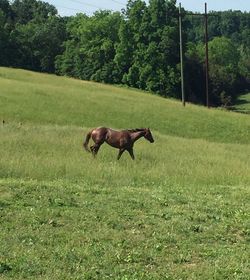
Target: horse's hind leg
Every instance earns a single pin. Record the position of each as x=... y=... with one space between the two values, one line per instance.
x=95 y=148
x=92 y=149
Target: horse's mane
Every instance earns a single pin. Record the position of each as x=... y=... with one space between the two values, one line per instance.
x=136 y=129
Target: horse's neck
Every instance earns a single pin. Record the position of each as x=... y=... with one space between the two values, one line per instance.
x=136 y=135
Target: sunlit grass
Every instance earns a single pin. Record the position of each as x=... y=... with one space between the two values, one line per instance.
x=47 y=99
x=55 y=152
x=179 y=211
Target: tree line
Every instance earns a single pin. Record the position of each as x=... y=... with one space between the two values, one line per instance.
x=137 y=47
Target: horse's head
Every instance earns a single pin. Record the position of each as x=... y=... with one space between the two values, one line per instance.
x=148 y=135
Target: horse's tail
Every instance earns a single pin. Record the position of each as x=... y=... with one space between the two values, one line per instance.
x=85 y=143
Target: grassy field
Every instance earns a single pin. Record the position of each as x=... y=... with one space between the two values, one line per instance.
x=179 y=211
x=243 y=104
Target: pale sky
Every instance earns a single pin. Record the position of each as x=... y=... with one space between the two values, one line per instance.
x=71 y=7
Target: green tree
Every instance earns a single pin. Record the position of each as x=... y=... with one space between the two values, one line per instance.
x=4 y=41
x=224 y=72
x=194 y=73
x=149 y=47
x=244 y=65
x=35 y=45
x=6 y=27
x=90 y=51
x=27 y=10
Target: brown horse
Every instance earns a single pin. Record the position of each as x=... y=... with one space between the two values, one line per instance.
x=123 y=140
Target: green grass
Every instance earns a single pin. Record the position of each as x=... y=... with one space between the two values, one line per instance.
x=179 y=211
x=46 y=99
x=243 y=104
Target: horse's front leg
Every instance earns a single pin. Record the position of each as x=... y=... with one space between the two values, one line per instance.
x=131 y=152
x=120 y=153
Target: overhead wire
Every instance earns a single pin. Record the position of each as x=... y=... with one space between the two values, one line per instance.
x=92 y=5
x=117 y=2
x=75 y=9
x=86 y=4
x=67 y=8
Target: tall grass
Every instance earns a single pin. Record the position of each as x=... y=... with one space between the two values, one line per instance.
x=55 y=152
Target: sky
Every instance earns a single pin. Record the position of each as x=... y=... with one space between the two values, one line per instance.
x=71 y=7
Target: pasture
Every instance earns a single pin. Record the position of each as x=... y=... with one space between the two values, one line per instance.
x=243 y=104
x=179 y=211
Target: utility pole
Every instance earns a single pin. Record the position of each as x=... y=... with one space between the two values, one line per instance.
x=181 y=57
x=206 y=52
x=207 y=64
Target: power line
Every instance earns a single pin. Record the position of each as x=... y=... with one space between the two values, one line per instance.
x=87 y=4
x=92 y=5
x=75 y=9
x=67 y=8
x=117 y=2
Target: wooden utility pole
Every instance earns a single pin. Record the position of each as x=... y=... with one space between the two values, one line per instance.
x=207 y=64
x=206 y=53
x=181 y=57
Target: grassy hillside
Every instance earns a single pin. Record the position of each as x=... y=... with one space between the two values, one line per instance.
x=47 y=99
x=243 y=104
x=179 y=211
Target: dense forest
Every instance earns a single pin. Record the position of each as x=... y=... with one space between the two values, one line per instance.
x=138 y=47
